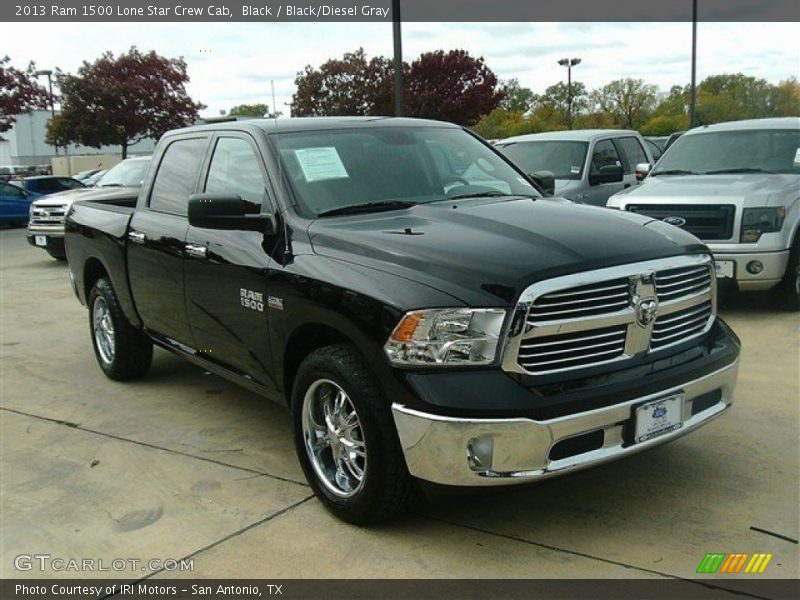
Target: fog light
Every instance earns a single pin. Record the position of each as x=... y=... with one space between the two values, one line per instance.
x=754 y=267
x=479 y=453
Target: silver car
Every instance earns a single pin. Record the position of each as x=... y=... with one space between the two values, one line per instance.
x=736 y=186
x=589 y=165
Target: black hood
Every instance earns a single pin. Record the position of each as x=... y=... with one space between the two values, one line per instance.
x=486 y=252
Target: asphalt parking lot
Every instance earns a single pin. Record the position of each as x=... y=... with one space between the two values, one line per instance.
x=184 y=464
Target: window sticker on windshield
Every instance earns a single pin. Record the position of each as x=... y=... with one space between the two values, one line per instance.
x=574 y=170
x=319 y=164
x=797 y=158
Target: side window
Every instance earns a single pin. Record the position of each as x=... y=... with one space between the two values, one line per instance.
x=177 y=175
x=604 y=154
x=10 y=190
x=632 y=152
x=234 y=170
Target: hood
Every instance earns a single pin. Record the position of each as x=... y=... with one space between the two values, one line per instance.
x=95 y=193
x=749 y=189
x=486 y=252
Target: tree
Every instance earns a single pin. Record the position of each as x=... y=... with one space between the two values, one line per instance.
x=451 y=86
x=551 y=107
x=352 y=86
x=629 y=101
x=517 y=98
x=253 y=110
x=785 y=98
x=19 y=93
x=729 y=97
x=122 y=100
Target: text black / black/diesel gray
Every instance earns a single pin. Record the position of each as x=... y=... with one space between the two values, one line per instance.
x=407 y=292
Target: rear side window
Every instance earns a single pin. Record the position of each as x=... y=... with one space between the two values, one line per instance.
x=234 y=170
x=632 y=153
x=177 y=175
x=604 y=155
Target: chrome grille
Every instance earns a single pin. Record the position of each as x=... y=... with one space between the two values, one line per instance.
x=48 y=215
x=683 y=281
x=675 y=327
x=573 y=349
x=608 y=315
x=582 y=301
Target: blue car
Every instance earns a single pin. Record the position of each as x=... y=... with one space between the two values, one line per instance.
x=50 y=184
x=15 y=204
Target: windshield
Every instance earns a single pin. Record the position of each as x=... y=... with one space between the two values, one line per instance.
x=391 y=167
x=128 y=173
x=773 y=151
x=564 y=159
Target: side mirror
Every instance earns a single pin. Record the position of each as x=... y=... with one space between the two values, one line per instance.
x=607 y=174
x=642 y=169
x=221 y=211
x=546 y=181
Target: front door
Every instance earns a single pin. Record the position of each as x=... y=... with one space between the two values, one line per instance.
x=156 y=240
x=226 y=271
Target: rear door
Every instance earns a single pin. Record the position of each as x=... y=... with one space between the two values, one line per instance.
x=14 y=204
x=157 y=235
x=226 y=271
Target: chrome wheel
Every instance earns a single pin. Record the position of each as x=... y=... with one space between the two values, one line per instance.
x=103 y=330
x=333 y=438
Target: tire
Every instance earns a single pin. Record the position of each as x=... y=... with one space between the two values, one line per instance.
x=386 y=488
x=57 y=255
x=123 y=352
x=789 y=289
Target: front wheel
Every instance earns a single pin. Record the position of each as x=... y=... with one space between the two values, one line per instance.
x=345 y=438
x=123 y=352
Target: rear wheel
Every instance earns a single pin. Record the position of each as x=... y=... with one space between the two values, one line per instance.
x=789 y=289
x=123 y=352
x=345 y=437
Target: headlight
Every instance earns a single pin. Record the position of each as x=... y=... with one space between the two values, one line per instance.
x=756 y=221
x=446 y=336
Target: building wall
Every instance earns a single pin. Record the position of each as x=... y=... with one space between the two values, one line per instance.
x=26 y=143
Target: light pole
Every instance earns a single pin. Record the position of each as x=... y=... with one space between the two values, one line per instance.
x=569 y=63
x=49 y=74
x=398 y=59
x=693 y=100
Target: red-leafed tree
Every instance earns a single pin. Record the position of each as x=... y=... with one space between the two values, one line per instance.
x=451 y=86
x=19 y=93
x=123 y=100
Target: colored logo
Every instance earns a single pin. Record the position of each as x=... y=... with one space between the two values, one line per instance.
x=659 y=412
x=734 y=563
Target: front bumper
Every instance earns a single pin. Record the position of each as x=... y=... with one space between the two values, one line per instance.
x=440 y=449
x=54 y=241
x=774 y=268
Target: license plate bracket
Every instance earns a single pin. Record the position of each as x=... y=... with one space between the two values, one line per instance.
x=724 y=269
x=658 y=417
x=40 y=240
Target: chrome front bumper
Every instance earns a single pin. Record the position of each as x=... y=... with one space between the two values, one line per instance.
x=437 y=448
x=56 y=230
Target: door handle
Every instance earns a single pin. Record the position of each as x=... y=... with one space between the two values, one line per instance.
x=137 y=237
x=196 y=250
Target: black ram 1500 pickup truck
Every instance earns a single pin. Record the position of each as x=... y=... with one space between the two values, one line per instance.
x=407 y=292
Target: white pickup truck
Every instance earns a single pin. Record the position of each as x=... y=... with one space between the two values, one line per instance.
x=736 y=186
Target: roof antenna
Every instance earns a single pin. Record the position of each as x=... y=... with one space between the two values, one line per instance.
x=287 y=248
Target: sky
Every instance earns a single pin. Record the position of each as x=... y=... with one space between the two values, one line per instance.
x=235 y=63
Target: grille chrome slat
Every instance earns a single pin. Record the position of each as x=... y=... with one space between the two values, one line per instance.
x=576 y=323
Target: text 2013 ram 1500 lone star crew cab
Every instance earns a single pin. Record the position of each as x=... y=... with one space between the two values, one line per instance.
x=407 y=292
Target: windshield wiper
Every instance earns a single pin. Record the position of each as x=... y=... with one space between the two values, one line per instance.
x=355 y=209
x=672 y=172
x=481 y=195
x=739 y=170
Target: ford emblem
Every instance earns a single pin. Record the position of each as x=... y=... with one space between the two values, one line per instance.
x=677 y=221
x=659 y=412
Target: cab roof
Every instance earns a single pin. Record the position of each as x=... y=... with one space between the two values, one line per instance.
x=575 y=135
x=293 y=125
x=771 y=123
